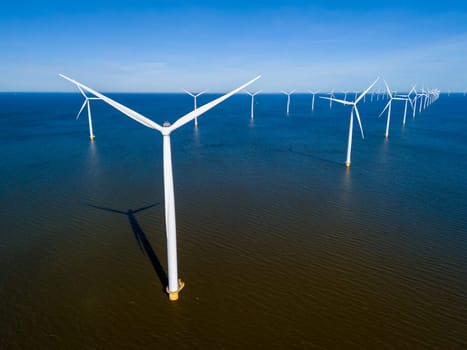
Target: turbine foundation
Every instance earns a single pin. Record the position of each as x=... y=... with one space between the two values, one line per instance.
x=173 y=296
x=347 y=164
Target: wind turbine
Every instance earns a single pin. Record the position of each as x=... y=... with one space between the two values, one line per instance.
x=422 y=99
x=415 y=99
x=331 y=96
x=407 y=99
x=313 y=99
x=194 y=101
x=288 y=99
x=252 y=94
x=87 y=103
x=175 y=284
x=388 y=107
x=354 y=108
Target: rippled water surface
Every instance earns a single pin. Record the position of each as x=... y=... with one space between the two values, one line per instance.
x=279 y=245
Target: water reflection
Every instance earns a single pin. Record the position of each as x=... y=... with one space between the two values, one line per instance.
x=92 y=159
x=196 y=138
x=383 y=151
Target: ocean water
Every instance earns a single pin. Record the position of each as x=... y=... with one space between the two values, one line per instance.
x=279 y=245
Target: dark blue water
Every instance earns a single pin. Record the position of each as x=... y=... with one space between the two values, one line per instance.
x=279 y=245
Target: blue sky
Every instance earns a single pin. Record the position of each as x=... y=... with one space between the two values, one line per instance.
x=214 y=45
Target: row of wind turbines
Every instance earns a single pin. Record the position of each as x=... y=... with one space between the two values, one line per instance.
x=175 y=284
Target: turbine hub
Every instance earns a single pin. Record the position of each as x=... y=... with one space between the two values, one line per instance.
x=166 y=124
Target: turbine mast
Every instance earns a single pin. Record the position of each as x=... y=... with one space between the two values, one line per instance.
x=175 y=284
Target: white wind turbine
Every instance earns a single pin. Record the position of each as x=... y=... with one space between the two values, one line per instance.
x=413 y=101
x=252 y=94
x=331 y=96
x=87 y=103
x=313 y=99
x=354 y=108
x=388 y=107
x=195 y=96
x=175 y=284
x=288 y=99
x=407 y=99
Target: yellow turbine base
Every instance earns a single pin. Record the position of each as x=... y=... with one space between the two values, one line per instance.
x=386 y=136
x=173 y=296
x=347 y=164
x=92 y=137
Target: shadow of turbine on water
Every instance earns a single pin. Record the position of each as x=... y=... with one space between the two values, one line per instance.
x=141 y=239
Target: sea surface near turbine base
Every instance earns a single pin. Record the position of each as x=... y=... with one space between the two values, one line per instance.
x=279 y=245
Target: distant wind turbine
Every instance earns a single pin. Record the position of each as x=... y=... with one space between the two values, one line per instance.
x=331 y=96
x=87 y=103
x=175 y=284
x=407 y=99
x=354 y=108
x=413 y=101
x=388 y=107
x=288 y=99
x=313 y=99
x=195 y=96
x=252 y=94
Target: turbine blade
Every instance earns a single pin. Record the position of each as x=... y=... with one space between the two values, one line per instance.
x=197 y=112
x=125 y=110
x=388 y=89
x=82 y=107
x=188 y=92
x=366 y=91
x=359 y=121
x=337 y=100
x=200 y=93
x=387 y=105
x=82 y=92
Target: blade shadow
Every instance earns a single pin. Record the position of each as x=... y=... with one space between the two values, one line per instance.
x=141 y=239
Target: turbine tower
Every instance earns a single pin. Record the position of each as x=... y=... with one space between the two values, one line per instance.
x=345 y=95
x=288 y=99
x=331 y=96
x=252 y=94
x=195 y=96
x=175 y=284
x=354 y=108
x=313 y=99
x=86 y=103
x=388 y=107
